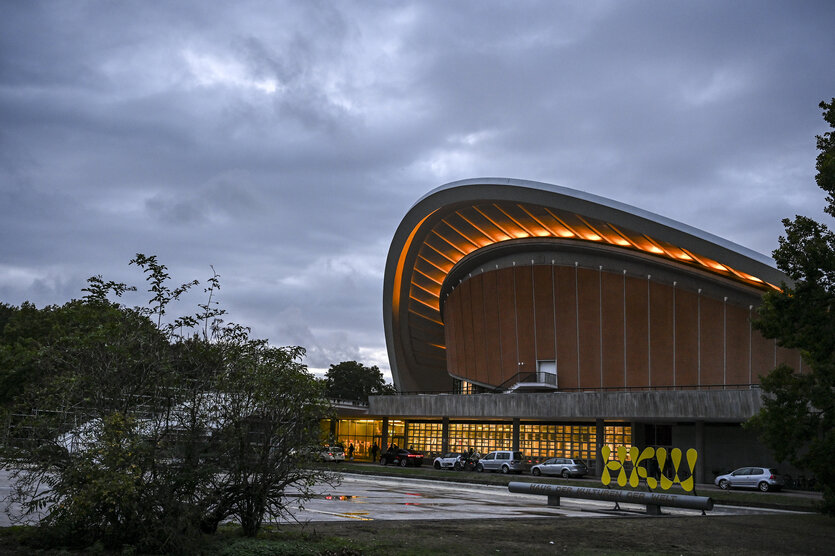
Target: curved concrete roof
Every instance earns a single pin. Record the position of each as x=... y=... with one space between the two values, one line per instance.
x=454 y=221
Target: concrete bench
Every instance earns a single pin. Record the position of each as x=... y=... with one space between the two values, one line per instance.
x=652 y=500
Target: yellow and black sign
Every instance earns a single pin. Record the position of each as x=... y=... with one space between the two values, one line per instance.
x=639 y=472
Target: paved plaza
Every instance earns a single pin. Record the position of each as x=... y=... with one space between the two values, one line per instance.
x=364 y=497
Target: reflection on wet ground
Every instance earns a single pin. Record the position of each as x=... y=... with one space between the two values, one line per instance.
x=386 y=498
x=364 y=498
x=340 y=497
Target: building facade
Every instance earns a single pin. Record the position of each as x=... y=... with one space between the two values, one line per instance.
x=522 y=315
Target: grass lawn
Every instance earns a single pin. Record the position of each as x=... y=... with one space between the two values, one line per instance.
x=738 y=535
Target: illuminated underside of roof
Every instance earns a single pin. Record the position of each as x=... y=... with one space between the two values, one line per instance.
x=459 y=219
x=468 y=229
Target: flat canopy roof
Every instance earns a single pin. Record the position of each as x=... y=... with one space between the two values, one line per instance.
x=453 y=221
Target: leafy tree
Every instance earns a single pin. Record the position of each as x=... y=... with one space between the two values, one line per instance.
x=270 y=424
x=138 y=430
x=350 y=380
x=798 y=416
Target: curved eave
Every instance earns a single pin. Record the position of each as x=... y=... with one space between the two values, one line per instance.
x=603 y=203
x=459 y=218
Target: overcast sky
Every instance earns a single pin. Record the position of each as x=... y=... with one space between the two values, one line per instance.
x=283 y=142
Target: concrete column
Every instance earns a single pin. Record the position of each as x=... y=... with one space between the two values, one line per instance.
x=445 y=435
x=385 y=439
x=405 y=434
x=333 y=431
x=639 y=437
x=516 y=435
x=599 y=433
x=701 y=477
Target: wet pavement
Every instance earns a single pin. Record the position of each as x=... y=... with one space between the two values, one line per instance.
x=362 y=498
x=365 y=497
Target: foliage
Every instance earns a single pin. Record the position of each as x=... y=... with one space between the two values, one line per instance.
x=128 y=429
x=798 y=416
x=350 y=380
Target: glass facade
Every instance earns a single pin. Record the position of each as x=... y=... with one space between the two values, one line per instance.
x=567 y=441
x=536 y=440
x=462 y=387
x=481 y=437
x=617 y=436
x=426 y=437
x=362 y=433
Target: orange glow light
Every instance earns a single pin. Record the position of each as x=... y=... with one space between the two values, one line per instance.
x=452 y=240
x=422 y=302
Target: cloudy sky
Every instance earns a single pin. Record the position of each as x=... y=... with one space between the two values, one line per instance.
x=282 y=142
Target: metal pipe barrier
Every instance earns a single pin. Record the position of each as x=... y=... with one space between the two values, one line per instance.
x=652 y=500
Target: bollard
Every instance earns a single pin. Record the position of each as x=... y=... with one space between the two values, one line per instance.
x=652 y=500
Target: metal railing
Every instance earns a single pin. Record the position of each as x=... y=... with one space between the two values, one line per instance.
x=654 y=388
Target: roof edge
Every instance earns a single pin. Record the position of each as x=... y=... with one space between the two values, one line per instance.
x=606 y=202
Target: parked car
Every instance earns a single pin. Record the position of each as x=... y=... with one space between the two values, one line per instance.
x=505 y=461
x=402 y=457
x=763 y=478
x=565 y=467
x=452 y=460
x=332 y=453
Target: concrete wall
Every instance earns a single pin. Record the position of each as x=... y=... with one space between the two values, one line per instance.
x=728 y=447
x=732 y=406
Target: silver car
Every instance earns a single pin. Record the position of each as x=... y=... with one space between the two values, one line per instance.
x=763 y=478
x=504 y=461
x=565 y=467
x=332 y=453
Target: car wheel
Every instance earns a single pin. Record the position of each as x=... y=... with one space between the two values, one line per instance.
x=437 y=465
x=403 y=462
x=479 y=468
x=764 y=486
x=383 y=461
x=536 y=472
x=505 y=469
x=565 y=474
x=457 y=466
x=724 y=484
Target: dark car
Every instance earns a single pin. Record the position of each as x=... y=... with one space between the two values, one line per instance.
x=402 y=457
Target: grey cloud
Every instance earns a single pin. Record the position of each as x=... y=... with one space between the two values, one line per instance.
x=133 y=127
